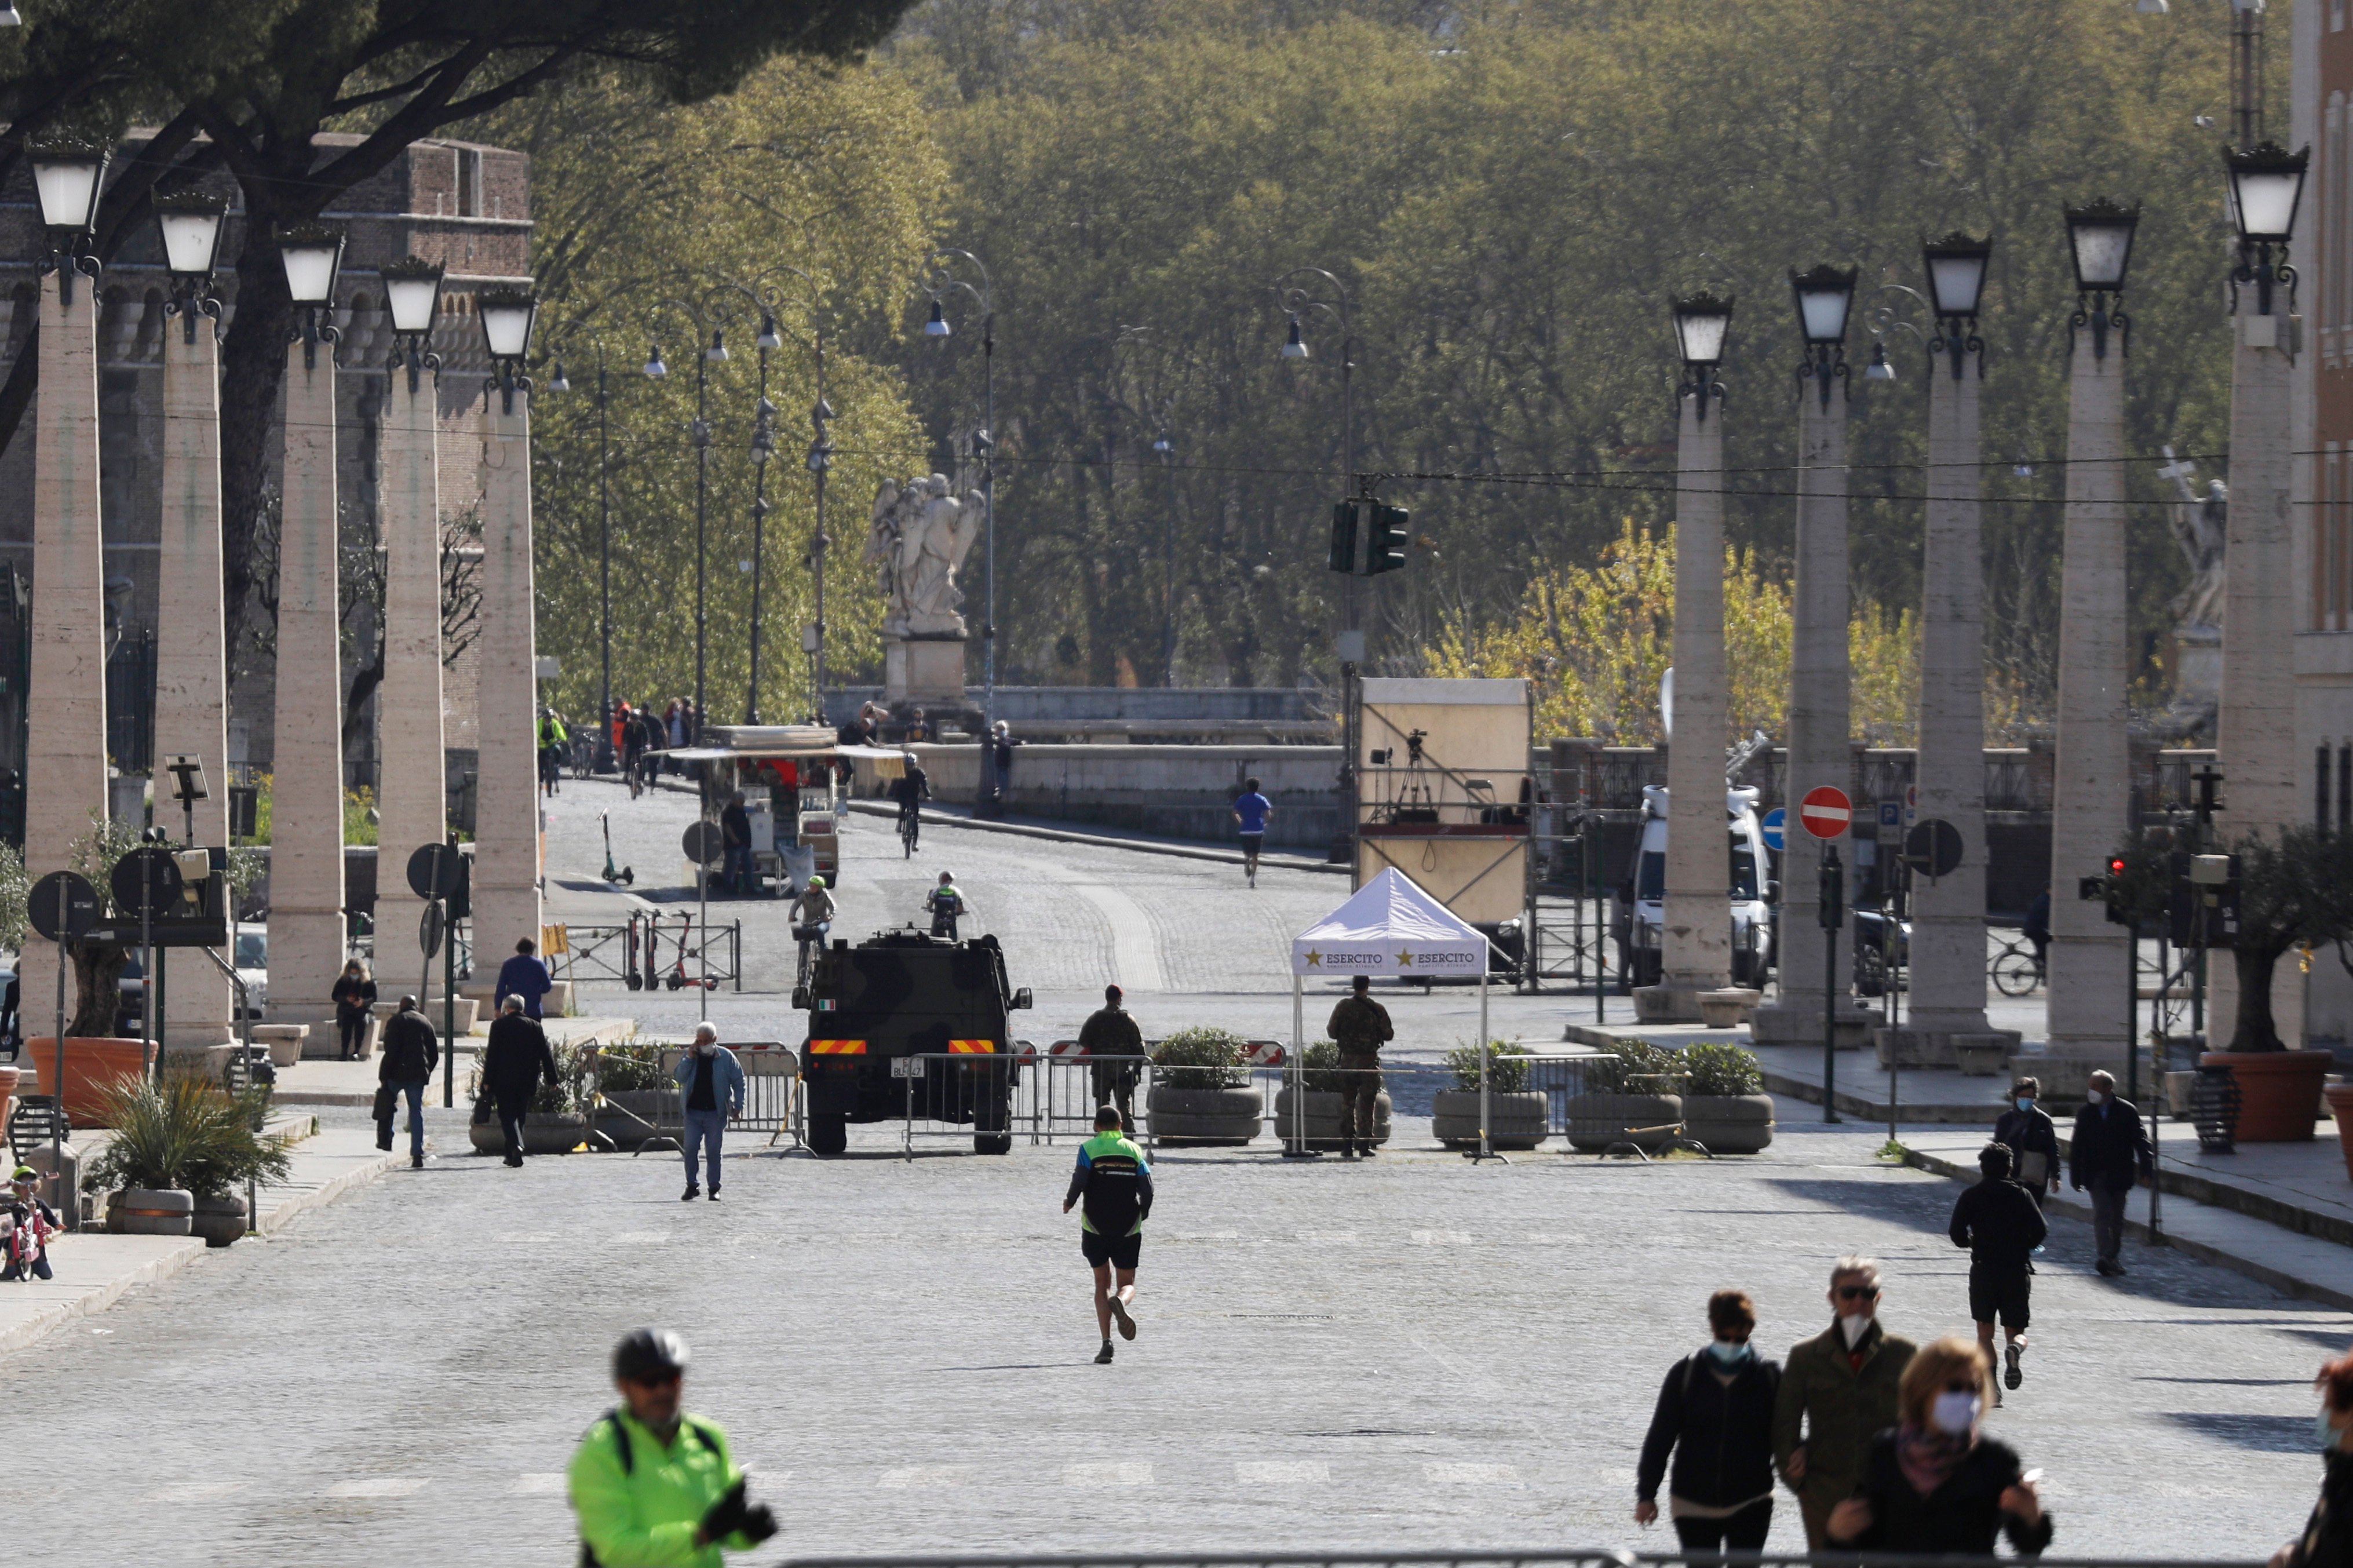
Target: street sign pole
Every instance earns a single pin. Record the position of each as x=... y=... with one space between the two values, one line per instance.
x=58 y=1088
x=1833 y=893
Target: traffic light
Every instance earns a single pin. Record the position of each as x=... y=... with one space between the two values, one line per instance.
x=1344 y=537
x=1384 y=552
x=2108 y=887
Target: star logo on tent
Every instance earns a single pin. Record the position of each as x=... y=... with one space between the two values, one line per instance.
x=1314 y=959
x=1404 y=959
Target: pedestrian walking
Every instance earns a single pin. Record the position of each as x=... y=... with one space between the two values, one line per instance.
x=1253 y=811
x=996 y=770
x=524 y=975
x=1113 y=1181
x=1110 y=1040
x=1359 y=1025
x=652 y=1486
x=1715 y=1415
x=2032 y=1138
x=2109 y=1150
x=27 y=1223
x=353 y=994
x=710 y=1089
x=2328 y=1538
x=1936 y=1484
x=555 y=746
x=515 y=1062
x=404 y=1069
x=2000 y=1225
x=735 y=841
x=1837 y=1389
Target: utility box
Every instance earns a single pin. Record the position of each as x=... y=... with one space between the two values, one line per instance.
x=1444 y=791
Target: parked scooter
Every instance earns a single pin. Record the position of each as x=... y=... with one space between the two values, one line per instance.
x=626 y=875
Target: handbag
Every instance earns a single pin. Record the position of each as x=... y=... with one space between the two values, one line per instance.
x=385 y=1099
x=2033 y=1167
x=483 y=1106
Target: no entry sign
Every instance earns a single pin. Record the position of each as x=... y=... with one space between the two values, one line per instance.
x=1825 y=812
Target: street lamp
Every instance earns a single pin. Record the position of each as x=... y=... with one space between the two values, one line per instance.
x=2266 y=187
x=312 y=255
x=68 y=171
x=412 y=296
x=942 y=280
x=1824 y=297
x=2100 y=240
x=191 y=224
x=1956 y=273
x=507 y=315
x=1703 y=323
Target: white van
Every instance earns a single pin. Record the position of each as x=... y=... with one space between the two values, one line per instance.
x=1637 y=917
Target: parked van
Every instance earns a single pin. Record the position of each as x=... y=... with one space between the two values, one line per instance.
x=1638 y=914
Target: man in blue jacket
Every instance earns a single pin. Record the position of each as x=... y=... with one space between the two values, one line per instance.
x=524 y=976
x=1115 y=1181
x=710 y=1089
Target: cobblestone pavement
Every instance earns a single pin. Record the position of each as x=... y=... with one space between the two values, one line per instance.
x=1418 y=1352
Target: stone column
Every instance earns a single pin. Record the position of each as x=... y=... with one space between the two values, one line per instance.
x=306 y=803
x=1819 y=751
x=1696 y=956
x=191 y=662
x=65 y=752
x=1949 y=942
x=506 y=810
x=2090 y=1015
x=412 y=801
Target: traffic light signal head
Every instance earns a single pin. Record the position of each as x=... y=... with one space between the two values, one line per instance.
x=1385 y=551
x=1344 y=537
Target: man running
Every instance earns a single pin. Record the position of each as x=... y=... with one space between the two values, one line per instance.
x=1115 y=1180
x=2001 y=1226
x=1252 y=811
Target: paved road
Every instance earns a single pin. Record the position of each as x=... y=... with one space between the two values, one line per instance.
x=1414 y=1353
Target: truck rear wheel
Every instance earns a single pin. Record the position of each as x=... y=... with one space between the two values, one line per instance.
x=992 y=1143
x=829 y=1134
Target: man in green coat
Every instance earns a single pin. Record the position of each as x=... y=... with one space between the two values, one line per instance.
x=652 y=1486
x=1838 y=1390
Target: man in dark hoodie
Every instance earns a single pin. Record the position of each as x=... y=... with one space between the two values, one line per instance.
x=1716 y=1413
x=2001 y=1226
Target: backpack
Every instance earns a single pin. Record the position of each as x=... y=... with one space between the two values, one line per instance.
x=623 y=1450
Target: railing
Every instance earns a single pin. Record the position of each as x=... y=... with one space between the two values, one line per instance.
x=641 y=1119
x=651 y=953
x=1492 y=1557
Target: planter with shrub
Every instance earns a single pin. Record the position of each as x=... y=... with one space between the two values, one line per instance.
x=555 y=1124
x=1519 y=1117
x=1630 y=1096
x=178 y=1141
x=1726 y=1107
x=1319 y=1077
x=641 y=1102
x=1201 y=1092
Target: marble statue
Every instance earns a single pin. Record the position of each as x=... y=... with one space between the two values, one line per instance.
x=917 y=537
x=2198 y=524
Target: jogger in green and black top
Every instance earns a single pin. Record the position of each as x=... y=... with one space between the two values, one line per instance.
x=1115 y=1181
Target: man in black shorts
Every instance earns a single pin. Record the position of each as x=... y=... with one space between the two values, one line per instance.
x=1114 y=1180
x=1998 y=1221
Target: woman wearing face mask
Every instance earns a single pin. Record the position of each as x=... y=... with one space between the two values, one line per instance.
x=2328 y=1538
x=2027 y=1128
x=1716 y=1414
x=1934 y=1483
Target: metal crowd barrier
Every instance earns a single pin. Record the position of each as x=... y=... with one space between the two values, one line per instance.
x=772 y=1098
x=1492 y=1557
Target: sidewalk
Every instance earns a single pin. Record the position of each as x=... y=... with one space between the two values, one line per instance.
x=1106 y=837
x=95 y=1270
x=324 y=1081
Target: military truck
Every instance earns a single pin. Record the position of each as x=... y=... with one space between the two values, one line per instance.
x=898 y=996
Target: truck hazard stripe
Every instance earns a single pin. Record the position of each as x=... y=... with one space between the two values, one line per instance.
x=837 y=1047
x=971 y=1047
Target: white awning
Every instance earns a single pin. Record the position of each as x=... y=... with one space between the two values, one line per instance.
x=1391 y=927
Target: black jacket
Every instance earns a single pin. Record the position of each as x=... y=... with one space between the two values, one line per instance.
x=2031 y=1131
x=1359 y=1024
x=2328 y=1538
x=351 y=996
x=2109 y=1147
x=1721 y=1433
x=1110 y=1031
x=1960 y=1518
x=517 y=1057
x=411 y=1050
x=1999 y=1222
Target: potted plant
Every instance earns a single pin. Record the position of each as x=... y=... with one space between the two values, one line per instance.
x=555 y=1124
x=1518 y=1117
x=636 y=1100
x=175 y=1140
x=1630 y=1095
x=1726 y=1107
x=1201 y=1092
x=1319 y=1079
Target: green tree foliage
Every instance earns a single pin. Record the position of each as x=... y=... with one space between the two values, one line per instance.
x=1512 y=194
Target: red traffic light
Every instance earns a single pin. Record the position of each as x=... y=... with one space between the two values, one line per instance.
x=2116 y=867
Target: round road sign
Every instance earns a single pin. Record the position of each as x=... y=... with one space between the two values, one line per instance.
x=147 y=875
x=434 y=870
x=1933 y=847
x=63 y=906
x=428 y=929
x=704 y=842
x=1825 y=812
x=1774 y=826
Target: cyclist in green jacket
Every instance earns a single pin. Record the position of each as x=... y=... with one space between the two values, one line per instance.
x=1115 y=1180
x=653 y=1487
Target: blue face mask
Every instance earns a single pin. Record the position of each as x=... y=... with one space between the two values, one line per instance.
x=1727 y=1353
x=2025 y=1104
x=2325 y=1434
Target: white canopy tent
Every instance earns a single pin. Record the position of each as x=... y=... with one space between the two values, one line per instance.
x=1389 y=926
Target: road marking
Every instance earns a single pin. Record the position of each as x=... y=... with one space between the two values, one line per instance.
x=1471 y=1474
x=1100 y=1474
x=538 y=1484
x=1134 y=951
x=378 y=1487
x=916 y=1478
x=1282 y=1472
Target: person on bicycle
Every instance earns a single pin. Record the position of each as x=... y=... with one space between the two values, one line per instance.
x=2037 y=930
x=911 y=790
x=812 y=918
x=947 y=906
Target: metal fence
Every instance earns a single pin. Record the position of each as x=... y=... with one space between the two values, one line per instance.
x=1494 y=1557
x=653 y=952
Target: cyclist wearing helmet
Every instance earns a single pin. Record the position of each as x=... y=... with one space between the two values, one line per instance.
x=812 y=918
x=911 y=790
x=947 y=906
x=651 y=1485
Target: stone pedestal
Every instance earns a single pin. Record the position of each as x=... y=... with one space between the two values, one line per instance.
x=306 y=847
x=191 y=666
x=2089 y=1005
x=1696 y=913
x=1718 y=1008
x=1948 y=941
x=411 y=803
x=923 y=669
x=1907 y=1047
x=1783 y=1023
x=506 y=810
x=64 y=762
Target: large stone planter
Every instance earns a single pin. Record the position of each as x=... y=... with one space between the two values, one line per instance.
x=1729 y=1124
x=284 y=1041
x=1203 y=1116
x=9 y=1078
x=1516 y=1120
x=2279 y=1092
x=543 y=1132
x=1596 y=1121
x=151 y=1211
x=2340 y=1108
x=659 y=1107
x=93 y=1064
x=1323 y=1119
x=219 y=1220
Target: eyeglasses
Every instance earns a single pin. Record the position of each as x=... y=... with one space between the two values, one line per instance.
x=1858 y=1292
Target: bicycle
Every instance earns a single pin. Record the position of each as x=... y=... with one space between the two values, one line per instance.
x=910 y=828
x=2017 y=971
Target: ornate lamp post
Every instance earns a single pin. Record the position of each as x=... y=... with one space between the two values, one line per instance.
x=507 y=824
x=944 y=280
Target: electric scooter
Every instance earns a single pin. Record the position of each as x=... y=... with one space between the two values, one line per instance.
x=626 y=875
x=679 y=977
x=630 y=977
